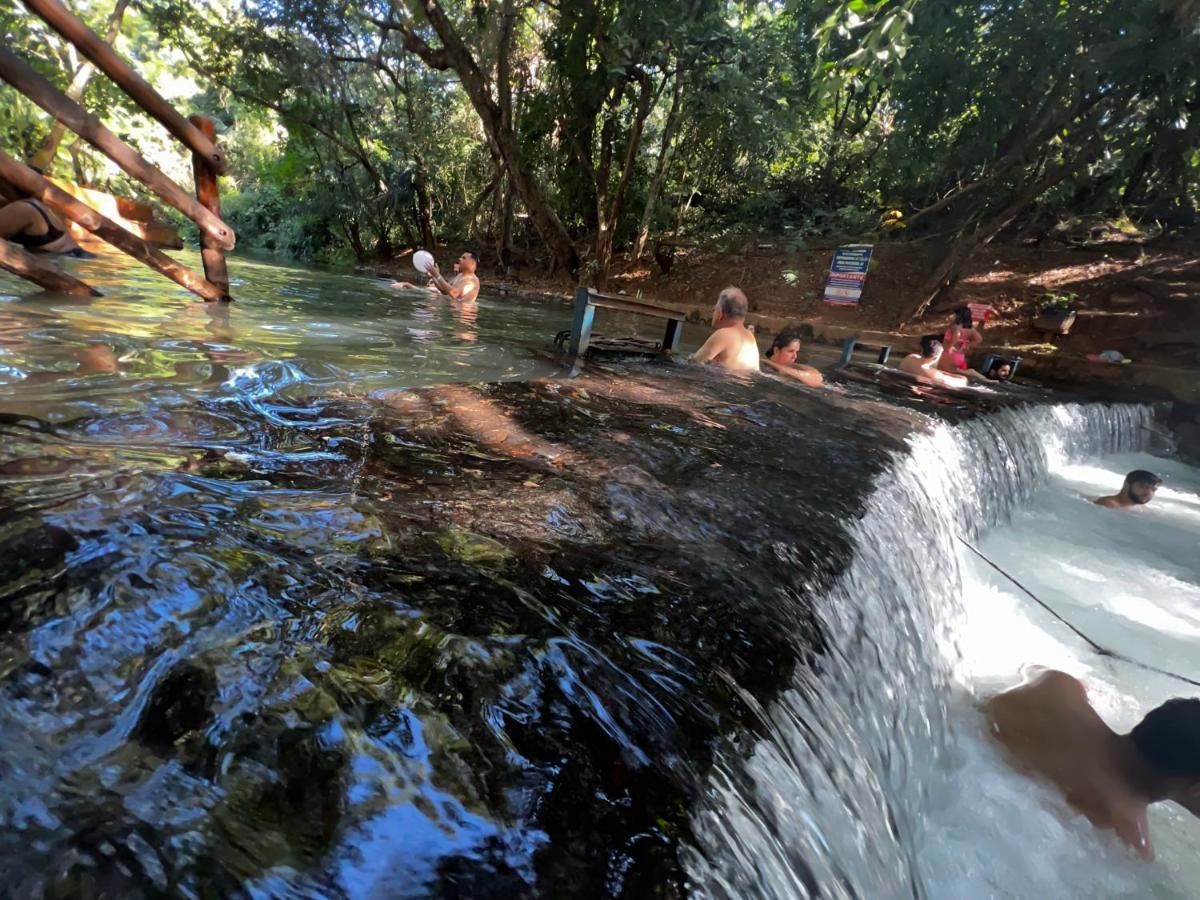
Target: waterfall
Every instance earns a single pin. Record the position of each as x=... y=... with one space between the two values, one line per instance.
x=829 y=800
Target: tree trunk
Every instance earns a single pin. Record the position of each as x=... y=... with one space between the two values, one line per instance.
x=424 y=208
x=477 y=204
x=609 y=206
x=455 y=55
x=504 y=227
x=665 y=153
x=44 y=158
x=354 y=236
x=946 y=273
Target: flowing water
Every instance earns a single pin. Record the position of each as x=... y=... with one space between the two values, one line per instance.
x=878 y=777
x=295 y=606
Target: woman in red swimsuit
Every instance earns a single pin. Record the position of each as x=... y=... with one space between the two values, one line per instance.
x=958 y=338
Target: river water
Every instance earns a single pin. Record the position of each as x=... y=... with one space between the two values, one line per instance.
x=296 y=605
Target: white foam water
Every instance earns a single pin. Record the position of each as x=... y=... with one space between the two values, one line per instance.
x=876 y=776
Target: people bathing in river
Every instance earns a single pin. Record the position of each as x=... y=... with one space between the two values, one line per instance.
x=1051 y=730
x=464 y=287
x=924 y=365
x=1139 y=489
x=732 y=344
x=959 y=337
x=29 y=223
x=782 y=359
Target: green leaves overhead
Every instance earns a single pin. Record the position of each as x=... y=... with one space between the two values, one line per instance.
x=694 y=118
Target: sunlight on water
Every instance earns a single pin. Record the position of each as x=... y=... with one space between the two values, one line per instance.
x=318 y=330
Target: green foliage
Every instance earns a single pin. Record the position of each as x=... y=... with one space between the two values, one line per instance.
x=1054 y=301
x=803 y=118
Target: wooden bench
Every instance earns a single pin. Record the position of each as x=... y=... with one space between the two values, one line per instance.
x=587 y=301
x=853 y=344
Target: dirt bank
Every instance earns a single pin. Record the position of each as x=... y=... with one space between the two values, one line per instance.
x=1140 y=299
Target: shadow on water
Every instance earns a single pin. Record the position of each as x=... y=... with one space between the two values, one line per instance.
x=279 y=620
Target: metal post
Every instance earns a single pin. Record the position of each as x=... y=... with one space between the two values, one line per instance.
x=581 y=326
x=673 y=336
x=847 y=353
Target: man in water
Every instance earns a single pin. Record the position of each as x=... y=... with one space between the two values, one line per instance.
x=1139 y=489
x=1051 y=730
x=732 y=344
x=1000 y=370
x=464 y=287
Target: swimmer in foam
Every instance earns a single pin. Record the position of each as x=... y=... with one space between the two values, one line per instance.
x=1139 y=489
x=464 y=287
x=1051 y=730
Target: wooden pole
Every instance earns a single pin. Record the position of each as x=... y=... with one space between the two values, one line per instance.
x=15 y=71
x=209 y=194
x=64 y=204
x=139 y=90
x=21 y=262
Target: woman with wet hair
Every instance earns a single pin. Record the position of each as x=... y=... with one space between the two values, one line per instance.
x=781 y=358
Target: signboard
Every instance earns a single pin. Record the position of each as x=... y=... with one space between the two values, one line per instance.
x=847 y=274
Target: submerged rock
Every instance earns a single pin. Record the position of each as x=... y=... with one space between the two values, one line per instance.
x=181 y=702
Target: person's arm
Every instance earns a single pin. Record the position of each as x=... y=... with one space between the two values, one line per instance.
x=466 y=290
x=712 y=348
x=804 y=374
x=1135 y=831
x=948 y=379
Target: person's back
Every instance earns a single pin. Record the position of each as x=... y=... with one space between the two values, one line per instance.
x=1050 y=729
x=742 y=354
x=731 y=345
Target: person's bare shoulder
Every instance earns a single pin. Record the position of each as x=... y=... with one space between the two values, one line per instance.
x=713 y=348
x=1058 y=682
x=1038 y=681
x=1106 y=502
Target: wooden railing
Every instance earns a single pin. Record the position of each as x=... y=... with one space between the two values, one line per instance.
x=196 y=134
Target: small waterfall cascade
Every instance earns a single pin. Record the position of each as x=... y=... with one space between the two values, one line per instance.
x=829 y=800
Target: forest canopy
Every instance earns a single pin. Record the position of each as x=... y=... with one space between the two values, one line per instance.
x=565 y=132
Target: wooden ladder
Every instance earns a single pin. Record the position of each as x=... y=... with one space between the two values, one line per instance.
x=196 y=134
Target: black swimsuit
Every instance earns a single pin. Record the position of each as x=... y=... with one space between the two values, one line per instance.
x=34 y=241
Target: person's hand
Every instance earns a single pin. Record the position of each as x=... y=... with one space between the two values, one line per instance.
x=401 y=285
x=434 y=272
